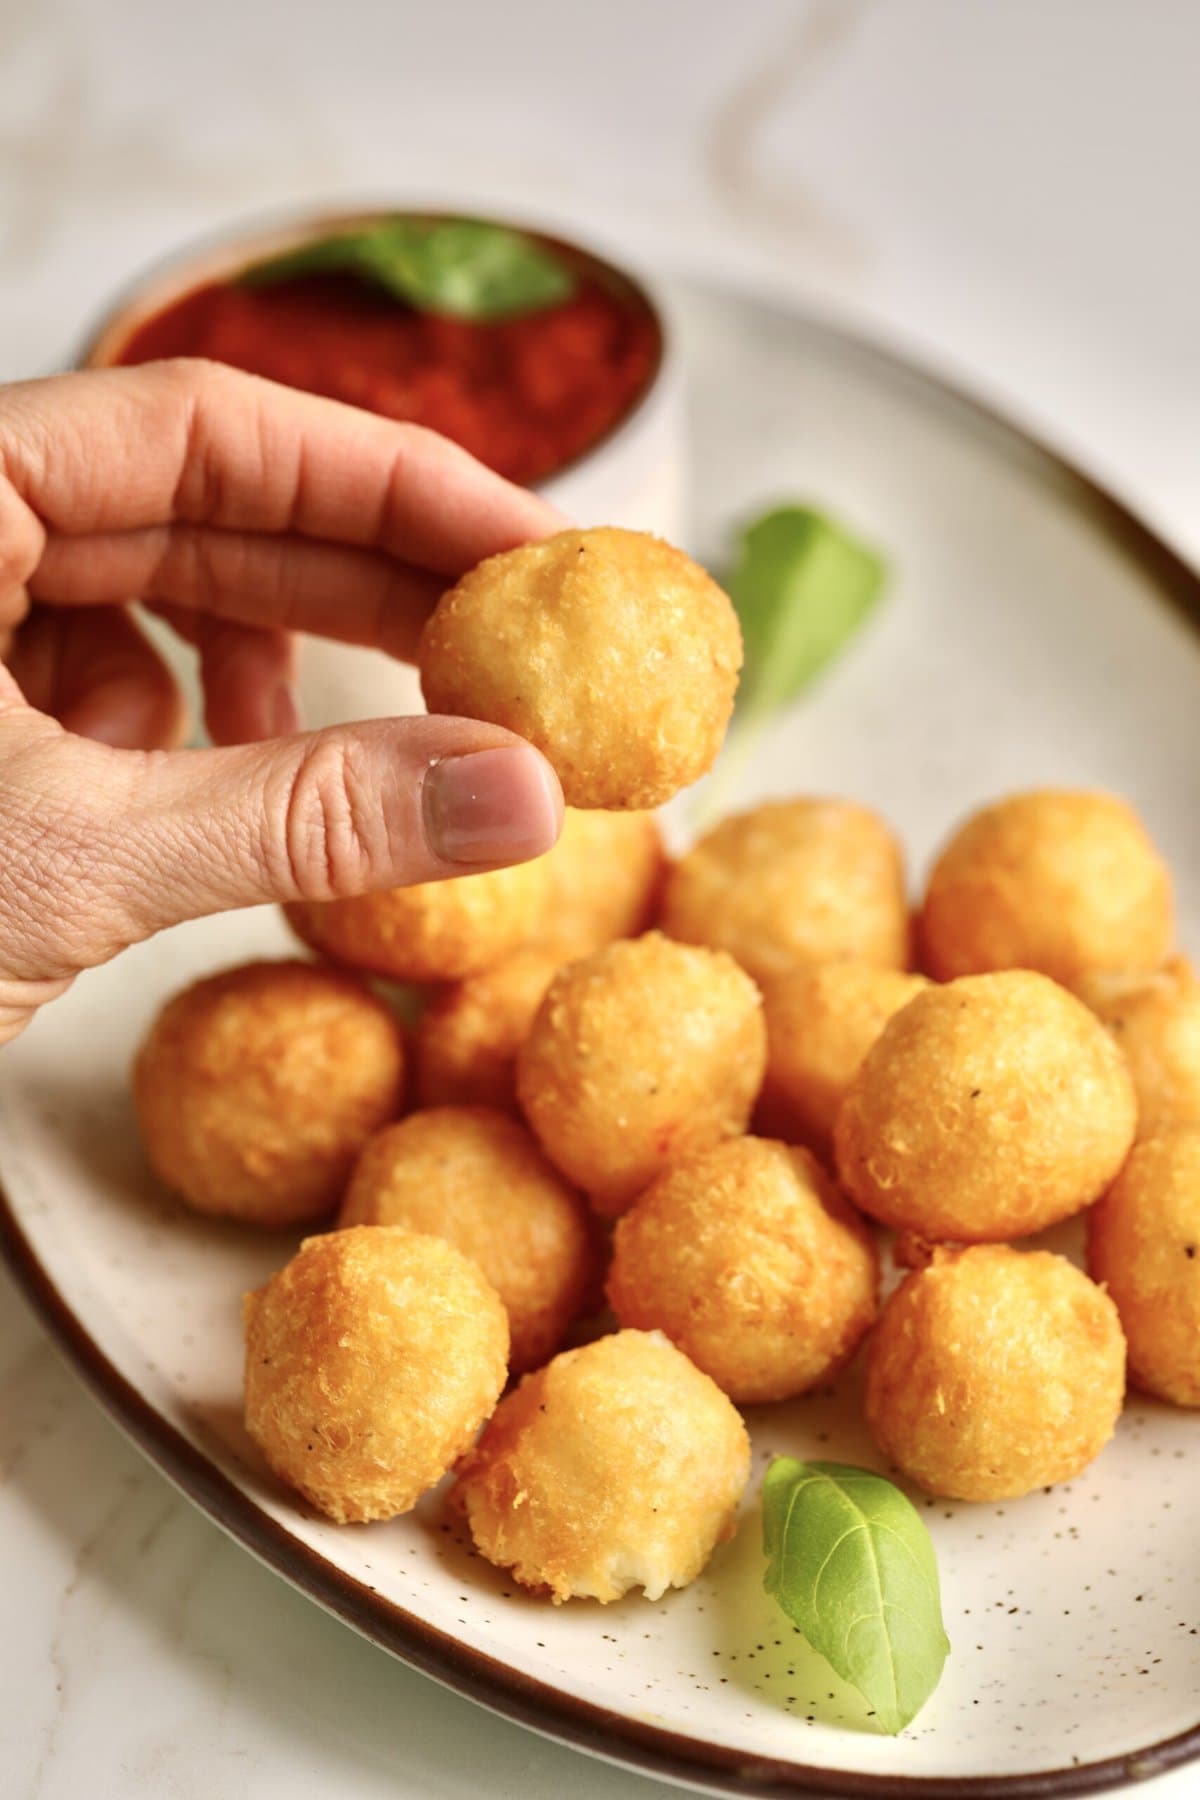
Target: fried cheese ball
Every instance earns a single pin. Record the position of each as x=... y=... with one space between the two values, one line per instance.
x=617 y=1466
x=1144 y=1245
x=606 y=873
x=1053 y=880
x=467 y=1038
x=372 y=1359
x=257 y=1088
x=640 y=1053
x=435 y=931
x=475 y=1177
x=987 y=1109
x=1156 y=1020
x=749 y=1259
x=821 y=1021
x=611 y=651
x=793 y=882
x=993 y=1372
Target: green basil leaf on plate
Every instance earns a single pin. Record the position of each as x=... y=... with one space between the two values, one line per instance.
x=850 y=1562
x=464 y=268
x=802 y=586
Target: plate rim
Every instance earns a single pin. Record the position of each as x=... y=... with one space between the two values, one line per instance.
x=584 y=1725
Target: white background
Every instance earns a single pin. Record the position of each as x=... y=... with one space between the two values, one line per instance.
x=1007 y=190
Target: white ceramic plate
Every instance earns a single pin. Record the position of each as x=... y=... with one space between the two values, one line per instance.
x=1033 y=633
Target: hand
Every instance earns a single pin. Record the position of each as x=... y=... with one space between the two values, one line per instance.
x=246 y=510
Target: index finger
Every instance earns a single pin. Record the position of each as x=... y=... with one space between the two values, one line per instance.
x=122 y=449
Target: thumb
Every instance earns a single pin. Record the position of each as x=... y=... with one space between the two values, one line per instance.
x=322 y=816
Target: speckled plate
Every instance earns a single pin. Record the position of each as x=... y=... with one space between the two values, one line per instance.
x=1034 y=633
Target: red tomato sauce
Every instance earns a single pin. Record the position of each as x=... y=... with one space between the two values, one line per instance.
x=525 y=395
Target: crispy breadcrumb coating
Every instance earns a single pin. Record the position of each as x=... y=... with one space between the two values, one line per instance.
x=987 y=1109
x=1155 y=1019
x=821 y=1021
x=435 y=931
x=257 y=1088
x=753 y=1264
x=617 y=1466
x=610 y=650
x=372 y=1359
x=992 y=1372
x=1053 y=880
x=477 y=1178
x=793 y=882
x=1144 y=1245
x=639 y=1054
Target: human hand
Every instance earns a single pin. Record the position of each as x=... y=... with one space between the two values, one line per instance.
x=245 y=510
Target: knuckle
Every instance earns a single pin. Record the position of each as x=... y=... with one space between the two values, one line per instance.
x=330 y=831
x=60 y=906
x=197 y=377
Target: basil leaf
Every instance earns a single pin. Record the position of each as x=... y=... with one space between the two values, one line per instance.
x=466 y=268
x=802 y=587
x=852 y=1565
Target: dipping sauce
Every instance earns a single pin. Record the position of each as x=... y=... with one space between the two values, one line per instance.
x=525 y=394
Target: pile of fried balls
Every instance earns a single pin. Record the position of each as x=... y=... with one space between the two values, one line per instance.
x=691 y=1092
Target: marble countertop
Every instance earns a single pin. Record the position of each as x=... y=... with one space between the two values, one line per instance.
x=1000 y=190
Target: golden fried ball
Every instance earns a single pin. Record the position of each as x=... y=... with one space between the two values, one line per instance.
x=821 y=1021
x=475 y=1177
x=611 y=651
x=752 y=1263
x=1053 y=880
x=467 y=1038
x=793 y=882
x=1144 y=1245
x=1156 y=1020
x=606 y=873
x=992 y=1372
x=257 y=1088
x=987 y=1109
x=372 y=1359
x=617 y=1466
x=435 y=931
x=640 y=1053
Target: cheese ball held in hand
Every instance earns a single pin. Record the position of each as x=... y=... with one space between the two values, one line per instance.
x=1156 y=1020
x=987 y=1109
x=467 y=1038
x=1054 y=880
x=992 y=1373
x=641 y=1053
x=821 y=1021
x=612 y=652
x=435 y=931
x=750 y=1261
x=257 y=1088
x=1144 y=1245
x=372 y=1359
x=473 y=1176
x=793 y=882
x=606 y=874
x=617 y=1466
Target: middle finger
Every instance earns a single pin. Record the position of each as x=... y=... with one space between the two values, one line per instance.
x=285 y=583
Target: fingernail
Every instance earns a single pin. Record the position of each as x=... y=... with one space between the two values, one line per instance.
x=283 y=710
x=492 y=806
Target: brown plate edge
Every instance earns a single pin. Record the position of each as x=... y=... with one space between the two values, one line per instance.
x=614 y=1737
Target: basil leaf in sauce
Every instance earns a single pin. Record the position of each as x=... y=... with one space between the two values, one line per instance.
x=466 y=268
x=802 y=587
x=852 y=1565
